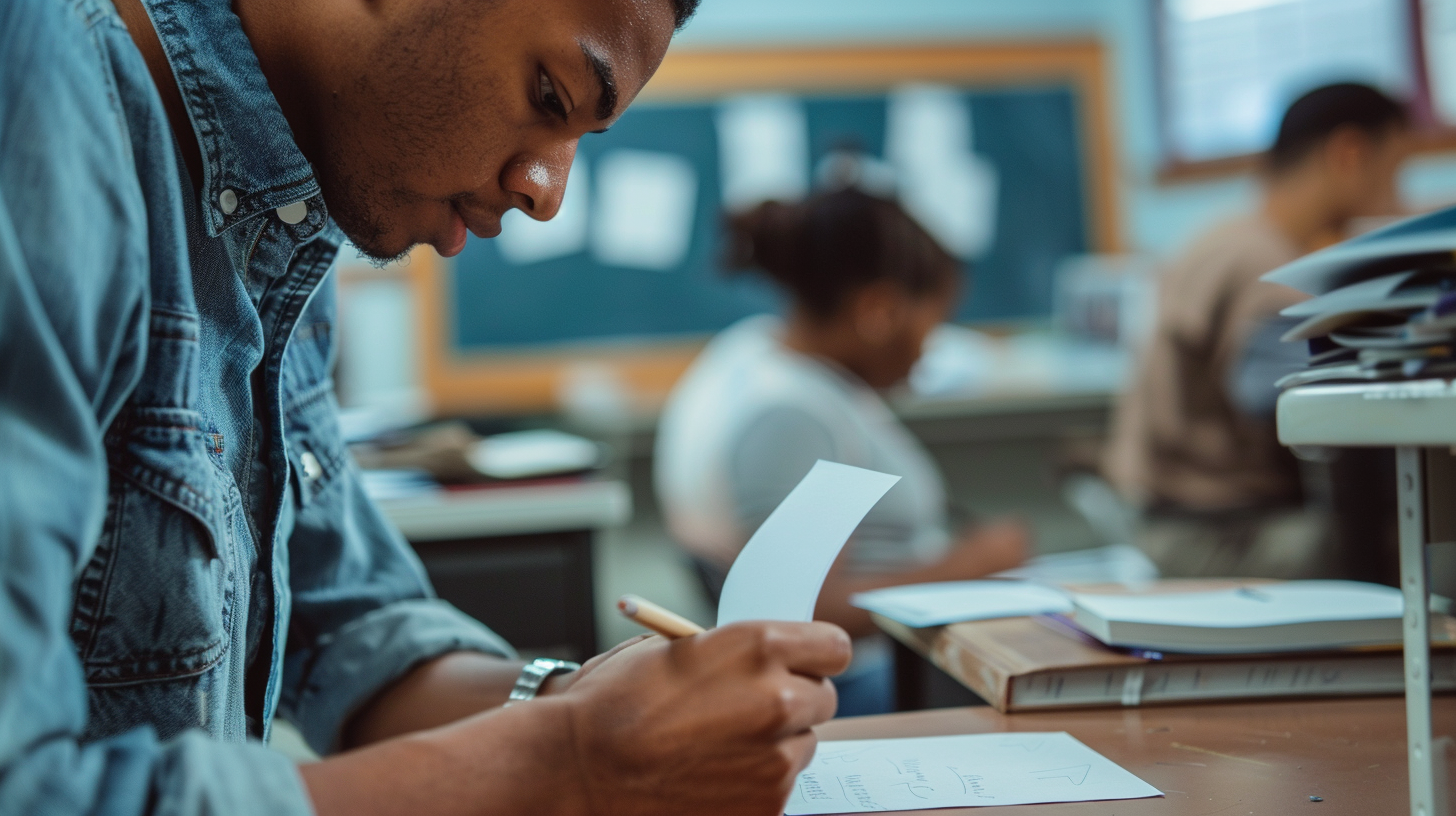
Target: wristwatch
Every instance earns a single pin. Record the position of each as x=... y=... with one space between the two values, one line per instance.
x=533 y=674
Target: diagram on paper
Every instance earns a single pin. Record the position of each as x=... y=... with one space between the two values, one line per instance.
x=865 y=776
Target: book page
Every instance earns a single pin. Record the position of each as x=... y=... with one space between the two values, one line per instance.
x=778 y=574
x=974 y=770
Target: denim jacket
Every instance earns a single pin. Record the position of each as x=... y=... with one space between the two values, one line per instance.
x=185 y=549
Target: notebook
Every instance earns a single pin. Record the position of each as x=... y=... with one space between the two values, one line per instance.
x=1281 y=617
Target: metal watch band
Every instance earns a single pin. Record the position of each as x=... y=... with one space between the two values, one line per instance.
x=533 y=674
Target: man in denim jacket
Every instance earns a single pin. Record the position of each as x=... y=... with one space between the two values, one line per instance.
x=185 y=550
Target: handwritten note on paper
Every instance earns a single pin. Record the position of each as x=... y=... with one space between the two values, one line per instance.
x=975 y=770
x=778 y=574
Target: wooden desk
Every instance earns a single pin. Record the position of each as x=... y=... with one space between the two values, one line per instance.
x=518 y=558
x=1251 y=758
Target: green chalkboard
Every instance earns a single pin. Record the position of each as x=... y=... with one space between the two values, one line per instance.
x=1030 y=134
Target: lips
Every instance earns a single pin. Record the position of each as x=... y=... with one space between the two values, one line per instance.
x=463 y=223
x=451 y=246
x=480 y=226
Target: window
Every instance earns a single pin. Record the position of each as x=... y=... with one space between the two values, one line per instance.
x=1229 y=68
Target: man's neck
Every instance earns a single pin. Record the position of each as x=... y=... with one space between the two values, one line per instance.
x=1300 y=207
x=283 y=40
x=274 y=35
x=139 y=25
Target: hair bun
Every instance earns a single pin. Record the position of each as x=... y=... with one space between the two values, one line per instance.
x=770 y=237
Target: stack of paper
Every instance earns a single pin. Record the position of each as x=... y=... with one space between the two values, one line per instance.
x=1384 y=305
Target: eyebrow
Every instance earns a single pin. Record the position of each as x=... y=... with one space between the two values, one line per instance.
x=606 y=78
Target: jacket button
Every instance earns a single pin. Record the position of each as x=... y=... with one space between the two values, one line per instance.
x=227 y=201
x=311 y=467
x=293 y=213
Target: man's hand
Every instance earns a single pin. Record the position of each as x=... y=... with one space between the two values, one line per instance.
x=718 y=723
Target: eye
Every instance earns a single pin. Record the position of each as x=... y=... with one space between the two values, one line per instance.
x=550 y=99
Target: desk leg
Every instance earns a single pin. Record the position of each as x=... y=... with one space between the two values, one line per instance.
x=911 y=674
x=1413 y=582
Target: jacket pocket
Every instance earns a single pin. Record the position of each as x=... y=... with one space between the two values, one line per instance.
x=154 y=600
x=316 y=450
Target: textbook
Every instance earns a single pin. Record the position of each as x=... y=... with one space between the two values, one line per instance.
x=1027 y=664
x=1274 y=617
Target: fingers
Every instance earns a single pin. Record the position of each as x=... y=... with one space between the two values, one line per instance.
x=799 y=750
x=806 y=703
x=815 y=649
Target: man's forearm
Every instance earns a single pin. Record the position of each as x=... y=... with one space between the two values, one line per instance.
x=448 y=688
x=508 y=762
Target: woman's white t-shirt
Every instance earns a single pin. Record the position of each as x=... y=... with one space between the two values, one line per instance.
x=747 y=422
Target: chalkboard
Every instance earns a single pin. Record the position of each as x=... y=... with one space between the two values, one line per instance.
x=1030 y=135
x=500 y=336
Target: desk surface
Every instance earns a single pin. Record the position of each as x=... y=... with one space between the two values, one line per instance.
x=506 y=510
x=1251 y=758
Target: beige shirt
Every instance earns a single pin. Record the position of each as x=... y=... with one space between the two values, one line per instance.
x=1177 y=438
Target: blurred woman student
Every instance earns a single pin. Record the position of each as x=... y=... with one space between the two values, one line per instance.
x=769 y=396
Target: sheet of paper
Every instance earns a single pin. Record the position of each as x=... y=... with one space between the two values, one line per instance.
x=1370 y=294
x=763 y=149
x=1320 y=272
x=975 y=770
x=778 y=574
x=954 y=601
x=645 y=207
x=524 y=240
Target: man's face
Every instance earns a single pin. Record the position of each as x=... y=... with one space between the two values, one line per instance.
x=1364 y=170
x=467 y=108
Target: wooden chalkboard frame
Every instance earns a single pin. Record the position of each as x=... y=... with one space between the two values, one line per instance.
x=527 y=381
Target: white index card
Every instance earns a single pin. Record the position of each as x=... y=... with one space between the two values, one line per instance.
x=778 y=574
x=644 y=209
x=973 y=770
x=524 y=240
x=763 y=149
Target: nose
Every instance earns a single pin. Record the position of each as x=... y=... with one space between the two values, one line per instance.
x=536 y=183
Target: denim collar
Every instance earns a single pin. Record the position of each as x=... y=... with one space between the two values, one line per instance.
x=251 y=165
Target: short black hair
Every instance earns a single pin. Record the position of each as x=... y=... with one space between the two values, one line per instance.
x=828 y=246
x=1314 y=117
x=682 y=11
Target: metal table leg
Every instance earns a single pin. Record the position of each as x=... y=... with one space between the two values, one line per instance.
x=1413 y=582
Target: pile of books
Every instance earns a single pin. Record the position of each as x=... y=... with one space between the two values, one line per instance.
x=1179 y=641
x=1384 y=305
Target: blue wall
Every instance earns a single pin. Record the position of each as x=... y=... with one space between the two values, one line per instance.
x=1155 y=218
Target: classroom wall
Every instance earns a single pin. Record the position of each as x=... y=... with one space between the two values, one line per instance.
x=1157 y=218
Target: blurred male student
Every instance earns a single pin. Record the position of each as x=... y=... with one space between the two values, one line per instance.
x=185 y=548
x=1194 y=441
x=769 y=397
